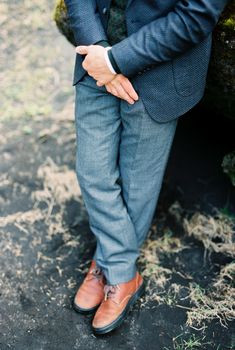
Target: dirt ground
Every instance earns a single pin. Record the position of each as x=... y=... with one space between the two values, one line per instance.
x=45 y=243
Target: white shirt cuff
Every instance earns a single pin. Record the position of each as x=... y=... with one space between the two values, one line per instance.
x=107 y=60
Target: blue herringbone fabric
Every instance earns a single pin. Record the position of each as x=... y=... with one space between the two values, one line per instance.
x=121 y=156
x=166 y=51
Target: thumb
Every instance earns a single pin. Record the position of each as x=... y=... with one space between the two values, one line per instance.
x=83 y=50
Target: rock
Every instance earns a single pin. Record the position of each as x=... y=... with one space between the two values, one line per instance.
x=220 y=92
x=228 y=166
x=221 y=79
x=60 y=17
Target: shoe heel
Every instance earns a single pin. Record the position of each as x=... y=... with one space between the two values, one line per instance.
x=140 y=291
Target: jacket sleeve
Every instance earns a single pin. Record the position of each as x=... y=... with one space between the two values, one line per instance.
x=85 y=21
x=161 y=40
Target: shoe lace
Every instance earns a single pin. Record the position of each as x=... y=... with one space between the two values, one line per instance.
x=110 y=290
x=96 y=272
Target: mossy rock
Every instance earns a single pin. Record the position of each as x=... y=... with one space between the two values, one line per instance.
x=220 y=92
x=60 y=17
x=220 y=89
x=228 y=166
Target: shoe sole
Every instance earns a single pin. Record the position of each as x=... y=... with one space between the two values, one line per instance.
x=116 y=323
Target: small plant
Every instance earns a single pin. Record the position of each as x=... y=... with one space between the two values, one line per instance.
x=192 y=343
x=216 y=303
x=215 y=232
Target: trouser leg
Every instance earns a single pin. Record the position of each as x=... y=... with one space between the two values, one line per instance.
x=98 y=129
x=144 y=150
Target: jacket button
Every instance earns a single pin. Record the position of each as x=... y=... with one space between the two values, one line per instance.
x=104 y=10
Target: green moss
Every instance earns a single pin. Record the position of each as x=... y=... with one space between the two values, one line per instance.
x=60 y=17
x=229 y=22
x=60 y=7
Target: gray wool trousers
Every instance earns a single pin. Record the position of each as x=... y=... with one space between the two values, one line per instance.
x=121 y=156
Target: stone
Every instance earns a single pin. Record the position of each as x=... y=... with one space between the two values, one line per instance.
x=220 y=91
x=61 y=20
x=228 y=166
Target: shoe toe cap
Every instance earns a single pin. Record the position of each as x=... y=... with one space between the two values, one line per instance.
x=84 y=303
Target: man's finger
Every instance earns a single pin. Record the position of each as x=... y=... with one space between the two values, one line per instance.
x=82 y=50
x=123 y=94
x=114 y=91
x=129 y=89
x=108 y=88
x=99 y=83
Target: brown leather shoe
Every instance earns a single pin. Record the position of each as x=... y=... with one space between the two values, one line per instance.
x=117 y=301
x=91 y=292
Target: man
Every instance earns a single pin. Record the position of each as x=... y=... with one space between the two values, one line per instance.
x=140 y=64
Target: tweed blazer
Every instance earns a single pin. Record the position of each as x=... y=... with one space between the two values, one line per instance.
x=165 y=54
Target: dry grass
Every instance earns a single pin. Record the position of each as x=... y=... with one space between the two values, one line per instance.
x=215 y=232
x=59 y=186
x=60 y=183
x=217 y=235
x=156 y=275
x=217 y=303
x=28 y=217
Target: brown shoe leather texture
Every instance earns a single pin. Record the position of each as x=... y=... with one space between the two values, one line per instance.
x=117 y=301
x=91 y=292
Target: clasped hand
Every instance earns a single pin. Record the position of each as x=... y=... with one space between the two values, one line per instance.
x=96 y=66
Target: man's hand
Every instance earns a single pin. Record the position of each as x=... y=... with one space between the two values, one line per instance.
x=95 y=64
x=121 y=87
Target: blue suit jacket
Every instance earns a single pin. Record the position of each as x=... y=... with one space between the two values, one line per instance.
x=165 y=54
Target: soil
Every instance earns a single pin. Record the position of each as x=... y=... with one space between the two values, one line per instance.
x=46 y=244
